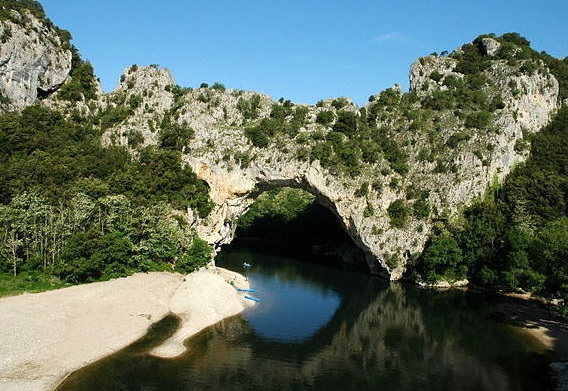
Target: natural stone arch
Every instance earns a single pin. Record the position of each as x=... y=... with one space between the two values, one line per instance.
x=233 y=192
x=343 y=248
x=236 y=167
x=220 y=226
x=220 y=118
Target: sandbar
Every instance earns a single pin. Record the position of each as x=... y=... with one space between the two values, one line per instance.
x=46 y=336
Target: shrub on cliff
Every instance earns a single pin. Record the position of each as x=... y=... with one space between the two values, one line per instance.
x=325 y=117
x=398 y=212
x=81 y=85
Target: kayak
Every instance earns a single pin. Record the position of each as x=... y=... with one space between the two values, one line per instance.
x=245 y=290
x=252 y=298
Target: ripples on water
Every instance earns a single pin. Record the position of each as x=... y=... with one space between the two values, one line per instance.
x=318 y=328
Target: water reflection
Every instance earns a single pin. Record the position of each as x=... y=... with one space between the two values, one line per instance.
x=285 y=315
x=294 y=305
x=376 y=336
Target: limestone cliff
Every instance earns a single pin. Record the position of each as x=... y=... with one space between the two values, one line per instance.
x=453 y=151
x=34 y=58
x=389 y=171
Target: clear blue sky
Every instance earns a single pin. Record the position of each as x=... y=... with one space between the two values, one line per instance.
x=302 y=50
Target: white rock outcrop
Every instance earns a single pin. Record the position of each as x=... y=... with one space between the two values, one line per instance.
x=33 y=60
x=236 y=171
x=468 y=160
x=490 y=46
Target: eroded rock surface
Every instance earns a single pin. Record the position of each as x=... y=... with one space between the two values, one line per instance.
x=446 y=151
x=33 y=60
x=237 y=171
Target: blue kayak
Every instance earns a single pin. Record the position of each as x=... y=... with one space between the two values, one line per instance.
x=245 y=290
x=252 y=298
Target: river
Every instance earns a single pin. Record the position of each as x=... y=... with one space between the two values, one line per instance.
x=322 y=328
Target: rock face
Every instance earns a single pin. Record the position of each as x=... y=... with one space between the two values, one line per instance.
x=237 y=171
x=33 y=60
x=433 y=153
x=136 y=82
x=490 y=46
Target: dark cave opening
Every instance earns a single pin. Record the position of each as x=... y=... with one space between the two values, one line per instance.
x=291 y=221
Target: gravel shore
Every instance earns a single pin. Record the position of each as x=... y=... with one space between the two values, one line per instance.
x=45 y=336
x=536 y=318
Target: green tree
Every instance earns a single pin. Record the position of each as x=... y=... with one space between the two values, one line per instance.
x=442 y=258
x=82 y=83
x=158 y=237
x=481 y=239
x=325 y=117
x=339 y=103
x=218 y=86
x=173 y=135
x=518 y=271
x=346 y=122
x=113 y=255
x=551 y=251
x=261 y=134
x=74 y=263
x=480 y=120
x=198 y=256
x=249 y=108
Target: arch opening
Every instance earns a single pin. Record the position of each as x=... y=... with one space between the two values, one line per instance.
x=289 y=220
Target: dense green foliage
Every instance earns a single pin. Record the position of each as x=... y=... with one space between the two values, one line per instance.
x=516 y=238
x=280 y=204
x=354 y=138
x=82 y=84
x=80 y=211
x=325 y=117
x=39 y=149
x=87 y=239
x=284 y=119
x=442 y=258
x=173 y=135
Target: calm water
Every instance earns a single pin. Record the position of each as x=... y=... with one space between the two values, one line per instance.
x=318 y=328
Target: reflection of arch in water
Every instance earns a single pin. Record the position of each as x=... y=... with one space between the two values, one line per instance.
x=368 y=299
x=382 y=337
x=387 y=338
x=280 y=281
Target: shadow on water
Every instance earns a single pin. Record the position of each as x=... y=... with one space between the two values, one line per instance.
x=108 y=373
x=378 y=336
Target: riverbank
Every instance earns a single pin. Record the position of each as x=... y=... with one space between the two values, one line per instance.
x=45 y=336
x=537 y=319
x=534 y=315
